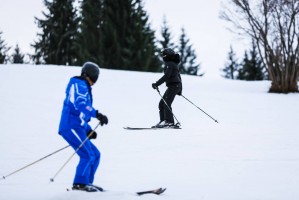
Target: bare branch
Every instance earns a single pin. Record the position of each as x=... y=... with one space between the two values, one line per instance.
x=273 y=25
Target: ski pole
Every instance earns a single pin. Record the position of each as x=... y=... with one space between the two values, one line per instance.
x=178 y=123
x=199 y=108
x=4 y=177
x=68 y=160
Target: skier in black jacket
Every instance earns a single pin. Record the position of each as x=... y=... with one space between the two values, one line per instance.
x=173 y=81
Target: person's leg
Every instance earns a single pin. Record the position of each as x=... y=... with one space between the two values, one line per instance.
x=96 y=162
x=169 y=96
x=161 y=110
x=75 y=137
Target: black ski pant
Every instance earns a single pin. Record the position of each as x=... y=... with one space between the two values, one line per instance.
x=169 y=95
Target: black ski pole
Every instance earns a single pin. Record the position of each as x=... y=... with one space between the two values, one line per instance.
x=68 y=160
x=178 y=123
x=4 y=177
x=199 y=108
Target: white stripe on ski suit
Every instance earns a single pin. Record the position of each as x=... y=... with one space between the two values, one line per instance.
x=74 y=90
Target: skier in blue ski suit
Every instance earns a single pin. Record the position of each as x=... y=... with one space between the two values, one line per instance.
x=74 y=128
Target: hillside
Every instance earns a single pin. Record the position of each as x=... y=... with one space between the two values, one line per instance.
x=252 y=153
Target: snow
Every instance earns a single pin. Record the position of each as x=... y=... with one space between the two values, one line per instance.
x=252 y=153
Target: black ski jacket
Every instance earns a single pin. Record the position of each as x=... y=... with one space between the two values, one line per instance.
x=171 y=74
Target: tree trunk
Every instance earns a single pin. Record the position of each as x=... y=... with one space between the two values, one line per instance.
x=283 y=87
x=284 y=80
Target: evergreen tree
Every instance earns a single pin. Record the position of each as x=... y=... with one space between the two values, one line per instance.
x=188 y=63
x=17 y=56
x=166 y=41
x=89 y=43
x=3 y=50
x=56 y=43
x=252 y=68
x=231 y=67
x=114 y=33
x=242 y=68
x=166 y=38
x=127 y=39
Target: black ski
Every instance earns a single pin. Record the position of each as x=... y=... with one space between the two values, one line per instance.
x=156 y=191
x=98 y=188
x=150 y=128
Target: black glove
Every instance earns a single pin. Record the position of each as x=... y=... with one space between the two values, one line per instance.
x=180 y=93
x=92 y=134
x=102 y=118
x=155 y=86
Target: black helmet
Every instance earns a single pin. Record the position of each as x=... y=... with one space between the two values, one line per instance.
x=177 y=58
x=91 y=70
x=167 y=53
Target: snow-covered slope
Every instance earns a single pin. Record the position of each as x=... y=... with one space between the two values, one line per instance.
x=252 y=153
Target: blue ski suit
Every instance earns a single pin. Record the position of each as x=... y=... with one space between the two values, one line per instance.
x=76 y=113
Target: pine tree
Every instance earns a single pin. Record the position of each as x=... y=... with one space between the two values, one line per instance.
x=231 y=67
x=115 y=34
x=252 y=68
x=188 y=63
x=127 y=39
x=3 y=50
x=17 y=56
x=166 y=41
x=242 y=68
x=166 y=38
x=56 y=44
x=90 y=41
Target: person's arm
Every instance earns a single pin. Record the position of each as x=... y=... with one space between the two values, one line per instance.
x=166 y=76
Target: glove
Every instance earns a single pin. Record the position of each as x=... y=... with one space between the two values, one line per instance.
x=102 y=118
x=93 y=135
x=180 y=93
x=155 y=86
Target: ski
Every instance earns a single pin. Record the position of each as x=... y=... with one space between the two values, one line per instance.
x=150 y=128
x=139 y=128
x=99 y=188
x=155 y=191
